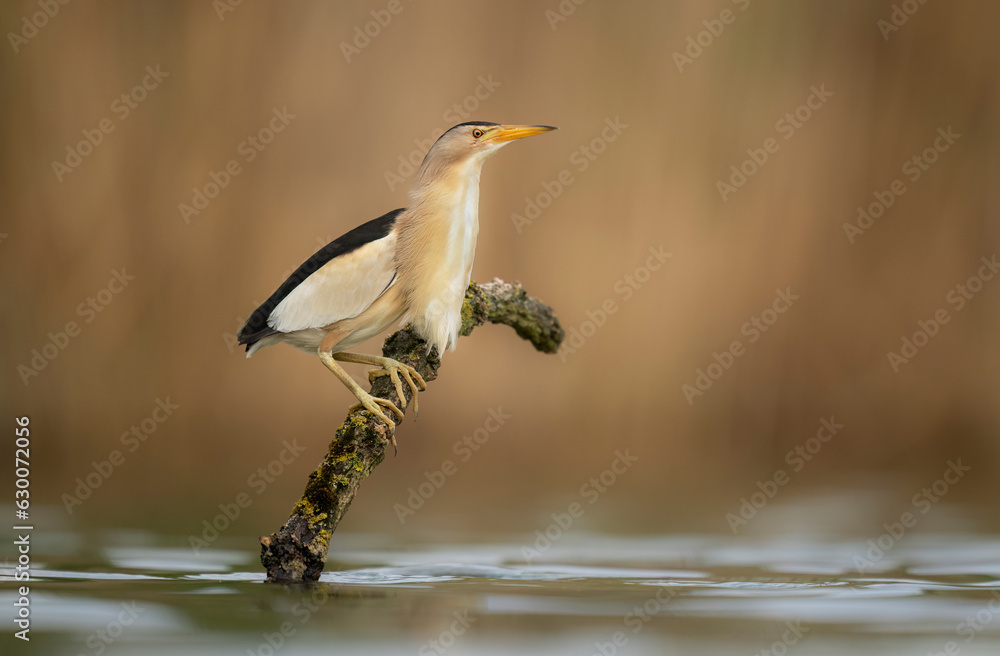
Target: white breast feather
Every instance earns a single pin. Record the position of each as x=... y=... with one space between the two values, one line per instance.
x=442 y=316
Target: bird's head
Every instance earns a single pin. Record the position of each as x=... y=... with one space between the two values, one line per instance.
x=479 y=139
x=472 y=143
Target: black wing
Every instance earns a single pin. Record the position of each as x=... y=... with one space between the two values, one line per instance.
x=256 y=327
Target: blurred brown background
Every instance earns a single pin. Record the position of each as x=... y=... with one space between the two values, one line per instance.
x=169 y=332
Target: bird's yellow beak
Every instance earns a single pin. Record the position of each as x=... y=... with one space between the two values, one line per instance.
x=510 y=132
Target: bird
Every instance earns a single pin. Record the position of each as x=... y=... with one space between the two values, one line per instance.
x=410 y=265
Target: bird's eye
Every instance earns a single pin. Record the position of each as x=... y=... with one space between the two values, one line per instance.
x=477 y=133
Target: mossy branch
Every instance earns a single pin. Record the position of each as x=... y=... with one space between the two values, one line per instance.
x=298 y=550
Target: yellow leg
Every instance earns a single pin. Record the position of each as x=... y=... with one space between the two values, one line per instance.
x=367 y=401
x=391 y=368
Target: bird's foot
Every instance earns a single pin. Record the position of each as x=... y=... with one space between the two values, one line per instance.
x=394 y=370
x=371 y=404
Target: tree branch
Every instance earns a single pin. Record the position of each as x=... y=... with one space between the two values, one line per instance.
x=298 y=550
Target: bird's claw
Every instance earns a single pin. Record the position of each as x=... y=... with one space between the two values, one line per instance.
x=393 y=369
x=371 y=404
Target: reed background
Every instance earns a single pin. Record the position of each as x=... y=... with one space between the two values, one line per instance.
x=168 y=334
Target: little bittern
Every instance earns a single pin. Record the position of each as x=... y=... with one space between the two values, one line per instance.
x=410 y=265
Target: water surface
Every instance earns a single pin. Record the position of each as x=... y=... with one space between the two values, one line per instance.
x=585 y=594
